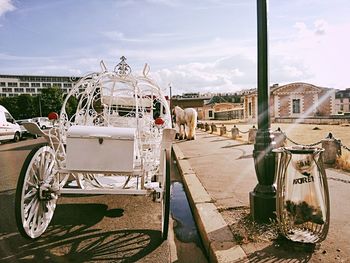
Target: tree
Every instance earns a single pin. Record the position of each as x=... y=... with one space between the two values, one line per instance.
x=25 y=106
x=71 y=106
x=10 y=103
x=51 y=99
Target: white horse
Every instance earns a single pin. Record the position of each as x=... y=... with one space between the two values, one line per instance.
x=185 y=122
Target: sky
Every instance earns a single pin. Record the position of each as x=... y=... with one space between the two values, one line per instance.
x=192 y=45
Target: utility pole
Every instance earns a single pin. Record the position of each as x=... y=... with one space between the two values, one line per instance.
x=40 y=106
x=170 y=99
x=263 y=198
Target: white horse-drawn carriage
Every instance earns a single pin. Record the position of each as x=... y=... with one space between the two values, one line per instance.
x=116 y=141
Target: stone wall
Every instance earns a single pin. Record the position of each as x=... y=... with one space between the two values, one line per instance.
x=314 y=120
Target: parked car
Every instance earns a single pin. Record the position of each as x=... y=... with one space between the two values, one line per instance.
x=9 y=129
x=43 y=122
x=24 y=132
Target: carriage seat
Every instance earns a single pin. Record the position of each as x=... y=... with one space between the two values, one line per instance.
x=101 y=149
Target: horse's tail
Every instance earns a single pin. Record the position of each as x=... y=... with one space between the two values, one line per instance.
x=193 y=120
x=192 y=123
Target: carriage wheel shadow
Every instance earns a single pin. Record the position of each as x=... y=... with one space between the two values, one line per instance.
x=93 y=245
x=73 y=238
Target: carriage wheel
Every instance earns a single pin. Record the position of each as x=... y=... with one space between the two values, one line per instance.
x=166 y=194
x=36 y=192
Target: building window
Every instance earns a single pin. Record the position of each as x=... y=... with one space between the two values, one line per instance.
x=35 y=85
x=296 y=105
x=2 y=94
x=67 y=85
x=12 y=84
x=30 y=90
x=7 y=89
x=24 y=84
x=210 y=112
x=249 y=109
x=57 y=85
x=341 y=107
x=2 y=84
x=19 y=90
x=47 y=85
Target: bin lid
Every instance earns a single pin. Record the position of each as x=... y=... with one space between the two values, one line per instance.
x=299 y=149
x=121 y=133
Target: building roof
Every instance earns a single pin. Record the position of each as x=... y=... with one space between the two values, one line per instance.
x=298 y=87
x=224 y=99
x=342 y=94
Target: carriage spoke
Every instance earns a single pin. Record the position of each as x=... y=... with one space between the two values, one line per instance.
x=34 y=176
x=33 y=221
x=29 y=183
x=28 y=206
x=30 y=214
x=42 y=165
x=30 y=193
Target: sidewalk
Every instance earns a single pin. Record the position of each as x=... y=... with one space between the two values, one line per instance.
x=218 y=175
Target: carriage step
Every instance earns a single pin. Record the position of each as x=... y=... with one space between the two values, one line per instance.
x=103 y=191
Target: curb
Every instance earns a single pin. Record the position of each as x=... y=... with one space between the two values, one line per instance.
x=218 y=240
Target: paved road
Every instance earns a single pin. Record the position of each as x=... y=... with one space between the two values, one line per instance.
x=85 y=228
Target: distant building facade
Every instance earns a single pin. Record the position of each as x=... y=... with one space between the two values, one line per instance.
x=294 y=100
x=190 y=100
x=250 y=106
x=301 y=100
x=224 y=107
x=15 y=85
x=342 y=101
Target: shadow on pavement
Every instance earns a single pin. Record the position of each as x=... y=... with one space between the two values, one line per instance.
x=235 y=145
x=23 y=148
x=71 y=236
x=283 y=250
x=221 y=140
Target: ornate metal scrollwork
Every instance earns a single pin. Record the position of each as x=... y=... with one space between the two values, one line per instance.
x=122 y=68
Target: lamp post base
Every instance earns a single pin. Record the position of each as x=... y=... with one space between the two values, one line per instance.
x=263 y=198
x=262 y=207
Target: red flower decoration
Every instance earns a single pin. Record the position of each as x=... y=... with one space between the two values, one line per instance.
x=53 y=116
x=159 y=121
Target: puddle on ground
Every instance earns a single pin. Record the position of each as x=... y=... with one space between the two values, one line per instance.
x=185 y=228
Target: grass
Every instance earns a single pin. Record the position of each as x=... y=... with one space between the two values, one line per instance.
x=343 y=161
x=302 y=134
x=245 y=229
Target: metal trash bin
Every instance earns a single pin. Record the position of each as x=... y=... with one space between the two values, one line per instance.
x=302 y=202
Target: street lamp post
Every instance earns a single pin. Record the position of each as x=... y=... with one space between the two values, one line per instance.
x=263 y=198
x=40 y=106
x=170 y=96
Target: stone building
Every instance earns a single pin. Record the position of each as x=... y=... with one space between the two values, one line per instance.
x=293 y=101
x=224 y=107
x=342 y=101
x=302 y=100
x=250 y=106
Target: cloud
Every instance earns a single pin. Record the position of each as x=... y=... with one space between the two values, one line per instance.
x=317 y=53
x=320 y=27
x=229 y=74
x=120 y=36
x=6 y=6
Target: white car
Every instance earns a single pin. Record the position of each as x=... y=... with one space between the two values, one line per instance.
x=43 y=122
x=9 y=129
